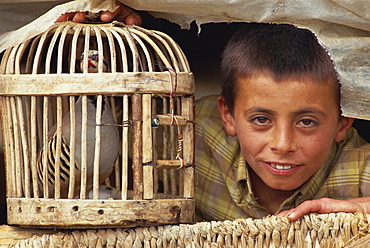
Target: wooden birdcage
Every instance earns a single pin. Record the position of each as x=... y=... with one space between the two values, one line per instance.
x=133 y=169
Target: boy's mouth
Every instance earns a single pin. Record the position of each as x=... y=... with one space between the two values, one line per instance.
x=282 y=166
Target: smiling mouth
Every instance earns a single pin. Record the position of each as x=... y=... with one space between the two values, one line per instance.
x=282 y=166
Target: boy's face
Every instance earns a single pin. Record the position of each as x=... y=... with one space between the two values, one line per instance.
x=285 y=129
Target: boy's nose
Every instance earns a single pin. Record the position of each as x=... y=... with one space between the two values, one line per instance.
x=283 y=141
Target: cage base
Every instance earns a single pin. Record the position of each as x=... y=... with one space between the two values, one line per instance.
x=77 y=213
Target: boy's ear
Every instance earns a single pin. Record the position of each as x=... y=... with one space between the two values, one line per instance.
x=344 y=124
x=226 y=117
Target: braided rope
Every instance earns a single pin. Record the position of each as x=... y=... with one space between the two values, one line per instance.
x=313 y=230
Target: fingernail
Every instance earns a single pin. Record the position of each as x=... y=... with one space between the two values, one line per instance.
x=131 y=20
x=291 y=215
x=106 y=15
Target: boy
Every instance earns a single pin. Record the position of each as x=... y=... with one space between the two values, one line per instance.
x=275 y=138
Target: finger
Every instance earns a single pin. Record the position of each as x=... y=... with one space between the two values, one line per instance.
x=315 y=206
x=324 y=206
x=122 y=14
x=66 y=17
x=79 y=17
x=285 y=213
x=134 y=19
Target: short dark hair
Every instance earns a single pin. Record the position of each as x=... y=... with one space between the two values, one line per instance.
x=282 y=50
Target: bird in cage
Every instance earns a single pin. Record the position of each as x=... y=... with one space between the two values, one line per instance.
x=109 y=148
x=93 y=61
x=105 y=192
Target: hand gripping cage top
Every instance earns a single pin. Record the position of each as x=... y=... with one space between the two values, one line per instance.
x=98 y=128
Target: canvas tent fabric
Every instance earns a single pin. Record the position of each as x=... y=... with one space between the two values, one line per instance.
x=342 y=26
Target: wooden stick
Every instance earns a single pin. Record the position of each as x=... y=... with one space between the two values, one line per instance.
x=147 y=146
x=45 y=132
x=112 y=47
x=60 y=49
x=125 y=140
x=155 y=149
x=166 y=120
x=117 y=171
x=72 y=147
x=25 y=147
x=147 y=128
x=58 y=148
x=137 y=166
x=188 y=146
x=173 y=149
x=83 y=148
x=18 y=162
x=97 y=147
x=33 y=143
x=9 y=151
x=168 y=163
x=166 y=188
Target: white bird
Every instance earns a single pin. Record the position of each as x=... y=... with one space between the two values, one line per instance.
x=109 y=148
x=93 y=62
x=105 y=192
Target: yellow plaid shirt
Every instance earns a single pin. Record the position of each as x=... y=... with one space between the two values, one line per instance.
x=223 y=189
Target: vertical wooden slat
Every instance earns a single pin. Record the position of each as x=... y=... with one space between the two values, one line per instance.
x=112 y=49
x=100 y=49
x=17 y=153
x=72 y=147
x=73 y=57
x=125 y=139
x=24 y=147
x=33 y=134
x=50 y=49
x=61 y=58
x=117 y=171
x=45 y=132
x=122 y=49
x=147 y=146
x=155 y=147
x=10 y=156
x=132 y=46
x=137 y=167
x=188 y=146
x=11 y=60
x=173 y=149
x=97 y=147
x=166 y=186
x=83 y=148
x=147 y=129
x=86 y=49
x=58 y=147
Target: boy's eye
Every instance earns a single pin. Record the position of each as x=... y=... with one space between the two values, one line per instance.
x=307 y=123
x=260 y=120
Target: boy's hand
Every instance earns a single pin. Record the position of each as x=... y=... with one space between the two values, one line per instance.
x=123 y=14
x=326 y=205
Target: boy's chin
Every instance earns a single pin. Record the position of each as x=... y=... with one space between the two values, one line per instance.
x=283 y=188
